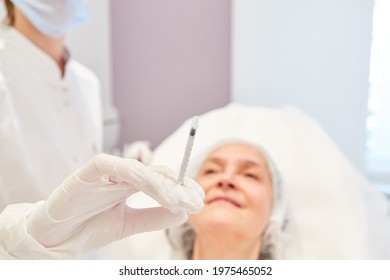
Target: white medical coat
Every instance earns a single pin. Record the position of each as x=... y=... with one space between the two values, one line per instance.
x=16 y=242
x=49 y=125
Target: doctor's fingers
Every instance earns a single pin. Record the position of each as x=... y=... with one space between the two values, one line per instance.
x=150 y=219
x=188 y=197
x=161 y=185
x=116 y=169
x=188 y=183
x=158 y=183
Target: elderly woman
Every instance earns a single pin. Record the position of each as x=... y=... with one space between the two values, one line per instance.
x=244 y=216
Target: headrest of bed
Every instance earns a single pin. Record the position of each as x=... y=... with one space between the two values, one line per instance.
x=334 y=212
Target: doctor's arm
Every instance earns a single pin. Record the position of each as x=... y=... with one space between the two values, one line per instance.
x=88 y=210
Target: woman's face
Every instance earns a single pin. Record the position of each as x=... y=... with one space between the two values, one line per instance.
x=238 y=188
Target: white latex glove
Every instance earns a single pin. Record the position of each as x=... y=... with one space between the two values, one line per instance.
x=89 y=209
x=139 y=150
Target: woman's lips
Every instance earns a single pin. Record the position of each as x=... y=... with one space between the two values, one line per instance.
x=224 y=199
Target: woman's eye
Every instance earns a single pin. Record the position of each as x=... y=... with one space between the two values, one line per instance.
x=209 y=171
x=252 y=176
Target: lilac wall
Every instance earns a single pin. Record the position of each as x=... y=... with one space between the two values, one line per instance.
x=171 y=60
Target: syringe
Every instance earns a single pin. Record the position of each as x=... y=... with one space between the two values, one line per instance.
x=188 y=149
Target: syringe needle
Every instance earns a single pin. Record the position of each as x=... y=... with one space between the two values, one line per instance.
x=188 y=149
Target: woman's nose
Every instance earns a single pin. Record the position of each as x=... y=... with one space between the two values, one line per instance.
x=227 y=180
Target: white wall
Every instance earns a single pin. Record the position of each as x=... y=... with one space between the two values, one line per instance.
x=90 y=44
x=171 y=61
x=311 y=54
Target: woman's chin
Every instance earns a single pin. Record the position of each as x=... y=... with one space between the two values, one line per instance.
x=214 y=219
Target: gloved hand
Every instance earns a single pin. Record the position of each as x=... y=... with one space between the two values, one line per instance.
x=89 y=209
x=139 y=150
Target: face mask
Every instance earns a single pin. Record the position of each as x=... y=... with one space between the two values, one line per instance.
x=54 y=17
